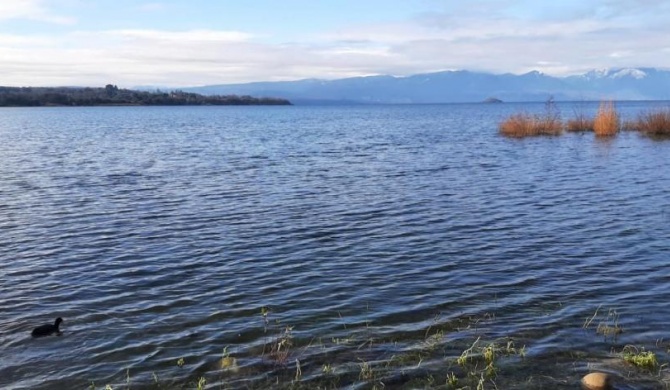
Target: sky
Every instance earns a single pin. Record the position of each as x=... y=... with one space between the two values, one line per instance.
x=179 y=43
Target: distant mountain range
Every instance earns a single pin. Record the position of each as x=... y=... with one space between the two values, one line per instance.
x=461 y=86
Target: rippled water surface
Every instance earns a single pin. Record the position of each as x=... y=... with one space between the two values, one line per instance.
x=391 y=236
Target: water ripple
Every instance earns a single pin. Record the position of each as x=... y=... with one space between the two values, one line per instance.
x=164 y=233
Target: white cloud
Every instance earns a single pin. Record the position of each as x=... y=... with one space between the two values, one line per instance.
x=483 y=38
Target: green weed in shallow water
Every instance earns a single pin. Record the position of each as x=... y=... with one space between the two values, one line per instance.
x=228 y=363
x=280 y=347
x=489 y=354
x=608 y=326
x=452 y=380
x=366 y=371
x=327 y=369
x=639 y=357
x=466 y=356
x=480 y=384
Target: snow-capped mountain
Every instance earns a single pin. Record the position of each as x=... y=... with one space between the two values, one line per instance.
x=615 y=73
x=463 y=86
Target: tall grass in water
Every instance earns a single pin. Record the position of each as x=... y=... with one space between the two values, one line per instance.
x=607 y=121
x=525 y=125
x=654 y=123
x=580 y=123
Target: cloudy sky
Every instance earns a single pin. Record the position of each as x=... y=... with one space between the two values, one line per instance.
x=197 y=42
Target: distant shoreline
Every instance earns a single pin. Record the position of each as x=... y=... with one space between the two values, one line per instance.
x=111 y=95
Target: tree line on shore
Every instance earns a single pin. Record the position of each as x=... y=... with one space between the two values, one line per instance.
x=112 y=95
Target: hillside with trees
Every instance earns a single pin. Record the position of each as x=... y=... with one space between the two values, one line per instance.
x=112 y=95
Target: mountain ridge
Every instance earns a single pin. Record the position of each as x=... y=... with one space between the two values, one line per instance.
x=462 y=86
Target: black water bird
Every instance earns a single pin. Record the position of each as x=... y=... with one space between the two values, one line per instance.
x=47 y=329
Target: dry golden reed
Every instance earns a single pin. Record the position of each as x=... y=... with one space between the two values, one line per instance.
x=653 y=123
x=525 y=125
x=580 y=123
x=607 y=121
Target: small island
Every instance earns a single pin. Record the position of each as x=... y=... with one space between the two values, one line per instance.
x=492 y=100
x=111 y=95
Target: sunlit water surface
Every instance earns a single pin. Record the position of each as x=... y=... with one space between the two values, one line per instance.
x=388 y=235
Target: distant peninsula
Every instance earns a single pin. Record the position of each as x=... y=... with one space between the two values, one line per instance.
x=111 y=95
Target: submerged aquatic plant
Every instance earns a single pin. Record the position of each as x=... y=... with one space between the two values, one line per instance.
x=202 y=382
x=280 y=348
x=366 y=371
x=228 y=363
x=639 y=357
x=452 y=380
x=609 y=326
x=466 y=356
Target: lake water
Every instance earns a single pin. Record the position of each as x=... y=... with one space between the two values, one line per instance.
x=388 y=239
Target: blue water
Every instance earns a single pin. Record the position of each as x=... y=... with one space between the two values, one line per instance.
x=161 y=233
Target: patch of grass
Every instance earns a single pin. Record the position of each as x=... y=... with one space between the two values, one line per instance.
x=489 y=354
x=452 y=381
x=412 y=358
x=579 y=123
x=280 y=348
x=607 y=122
x=654 y=123
x=433 y=341
x=466 y=356
x=366 y=372
x=526 y=125
x=608 y=330
x=511 y=350
x=202 y=382
x=609 y=326
x=639 y=357
x=228 y=363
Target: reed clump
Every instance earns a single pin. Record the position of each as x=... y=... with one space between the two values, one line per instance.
x=653 y=123
x=607 y=122
x=527 y=125
x=579 y=123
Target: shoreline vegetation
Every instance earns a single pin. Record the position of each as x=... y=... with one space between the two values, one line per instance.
x=111 y=95
x=606 y=122
x=456 y=354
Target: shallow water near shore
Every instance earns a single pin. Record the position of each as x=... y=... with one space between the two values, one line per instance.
x=386 y=237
